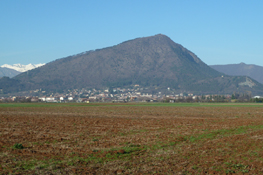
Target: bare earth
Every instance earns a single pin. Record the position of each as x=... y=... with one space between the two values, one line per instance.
x=128 y=139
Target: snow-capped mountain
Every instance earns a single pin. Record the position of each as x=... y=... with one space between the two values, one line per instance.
x=22 y=68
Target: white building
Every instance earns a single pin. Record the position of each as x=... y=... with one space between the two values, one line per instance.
x=42 y=98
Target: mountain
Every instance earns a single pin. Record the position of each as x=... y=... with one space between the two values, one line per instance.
x=155 y=62
x=8 y=72
x=251 y=70
x=22 y=68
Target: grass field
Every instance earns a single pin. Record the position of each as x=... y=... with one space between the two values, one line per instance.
x=131 y=138
x=131 y=104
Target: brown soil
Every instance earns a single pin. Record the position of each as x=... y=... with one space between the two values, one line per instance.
x=131 y=140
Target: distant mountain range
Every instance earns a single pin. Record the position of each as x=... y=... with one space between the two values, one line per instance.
x=22 y=68
x=242 y=69
x=8 y=72
x=154 y=62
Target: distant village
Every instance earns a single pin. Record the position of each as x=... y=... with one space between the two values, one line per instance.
x=123 y=95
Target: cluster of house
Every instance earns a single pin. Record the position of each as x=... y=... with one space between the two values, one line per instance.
x=115 y=95
x=103 y=97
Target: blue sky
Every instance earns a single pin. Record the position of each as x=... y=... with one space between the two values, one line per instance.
x=218 y=32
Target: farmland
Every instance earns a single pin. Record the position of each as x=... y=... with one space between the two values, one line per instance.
x=131 y=138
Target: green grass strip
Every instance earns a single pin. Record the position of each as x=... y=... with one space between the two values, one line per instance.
x=131 y=104
x=224 y=132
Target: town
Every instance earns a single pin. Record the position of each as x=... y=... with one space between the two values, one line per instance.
x=123 y=95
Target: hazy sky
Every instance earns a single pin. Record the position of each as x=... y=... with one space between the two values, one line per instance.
x=218 y=32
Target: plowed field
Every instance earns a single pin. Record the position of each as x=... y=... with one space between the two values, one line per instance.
x=131 y=139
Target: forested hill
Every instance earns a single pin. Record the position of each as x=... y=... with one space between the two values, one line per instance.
x=154 y=61
x=242 y=69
